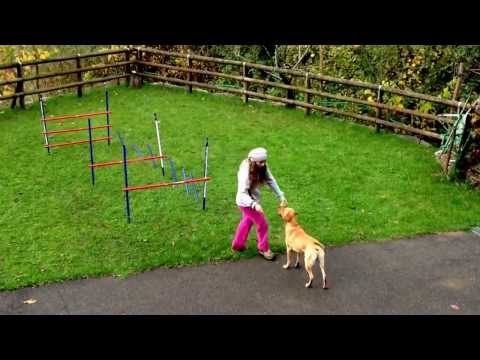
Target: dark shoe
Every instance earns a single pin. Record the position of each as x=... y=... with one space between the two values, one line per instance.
x=268 y=255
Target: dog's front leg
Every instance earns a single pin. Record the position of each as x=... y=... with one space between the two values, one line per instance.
x=289 y=252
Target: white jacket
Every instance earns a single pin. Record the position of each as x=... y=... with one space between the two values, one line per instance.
x=246 y=199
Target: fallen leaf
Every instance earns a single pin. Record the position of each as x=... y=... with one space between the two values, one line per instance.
x=30 y=301
x=455 y=307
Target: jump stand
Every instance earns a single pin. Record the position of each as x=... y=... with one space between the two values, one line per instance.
x=48 y=145
x=141 y=157
x=127 y=189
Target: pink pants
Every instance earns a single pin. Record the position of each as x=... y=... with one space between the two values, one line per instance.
x=250 y=217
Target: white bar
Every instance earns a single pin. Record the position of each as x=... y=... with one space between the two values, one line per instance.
x=206 y=171
x=42 y=110
x=158 y=140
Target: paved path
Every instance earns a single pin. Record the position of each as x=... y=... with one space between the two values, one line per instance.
x=424 y=275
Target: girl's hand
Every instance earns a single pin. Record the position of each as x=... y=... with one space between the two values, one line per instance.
x=283 y=203
x=258 y=208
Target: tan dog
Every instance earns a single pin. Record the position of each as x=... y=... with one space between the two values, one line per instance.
x=297 y=240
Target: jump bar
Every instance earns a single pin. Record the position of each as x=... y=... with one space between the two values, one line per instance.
x=164 y=184
x=118 y=162
x=77 y=142
x=78 y=116
x=75 y=130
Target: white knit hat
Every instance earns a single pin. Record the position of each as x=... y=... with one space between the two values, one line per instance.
x=258 y=154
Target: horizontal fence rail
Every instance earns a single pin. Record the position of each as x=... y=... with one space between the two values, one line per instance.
x=412 y=94
x=66 y=86
x=68 y=72
x=20 y=80
x=134 y=66
x=301 y=90
x=66 y=58
x=298 y=103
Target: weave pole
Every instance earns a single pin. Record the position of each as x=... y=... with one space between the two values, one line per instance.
x=90 y=143
x=158 y=140
x=125 y=173
x=120 y=138
x=107 y=110
x=150 y=152
x=184 y=174
x=45 y=131
x=205 y=175
x=174 y=171
x=194 y=186
x=137 y=150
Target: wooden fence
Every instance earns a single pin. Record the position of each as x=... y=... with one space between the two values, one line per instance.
x=20 y=80
x=151 y=64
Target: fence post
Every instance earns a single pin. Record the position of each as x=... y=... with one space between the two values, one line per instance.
x=245 y=83
x=19 y=86
x=458 y=84
x=37 y=72
x=189 y=74
x=135 y=79
x=114 y=61
x=307 y=95
x=14 y=99
x=128 y=67
x=140 y=67
x=79 y=76
x=378 y=112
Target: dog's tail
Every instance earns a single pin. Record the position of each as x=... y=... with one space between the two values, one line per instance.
x=320 y=250
x=319 y=244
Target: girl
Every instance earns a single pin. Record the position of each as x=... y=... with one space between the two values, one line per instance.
x=252 y=173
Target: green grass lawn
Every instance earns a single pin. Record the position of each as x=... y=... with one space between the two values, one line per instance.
x=346 y=182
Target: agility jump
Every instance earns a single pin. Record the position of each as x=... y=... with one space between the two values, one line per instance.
x=141 y=157
x=92 y=165
x=46 y=133
x=127 y=189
